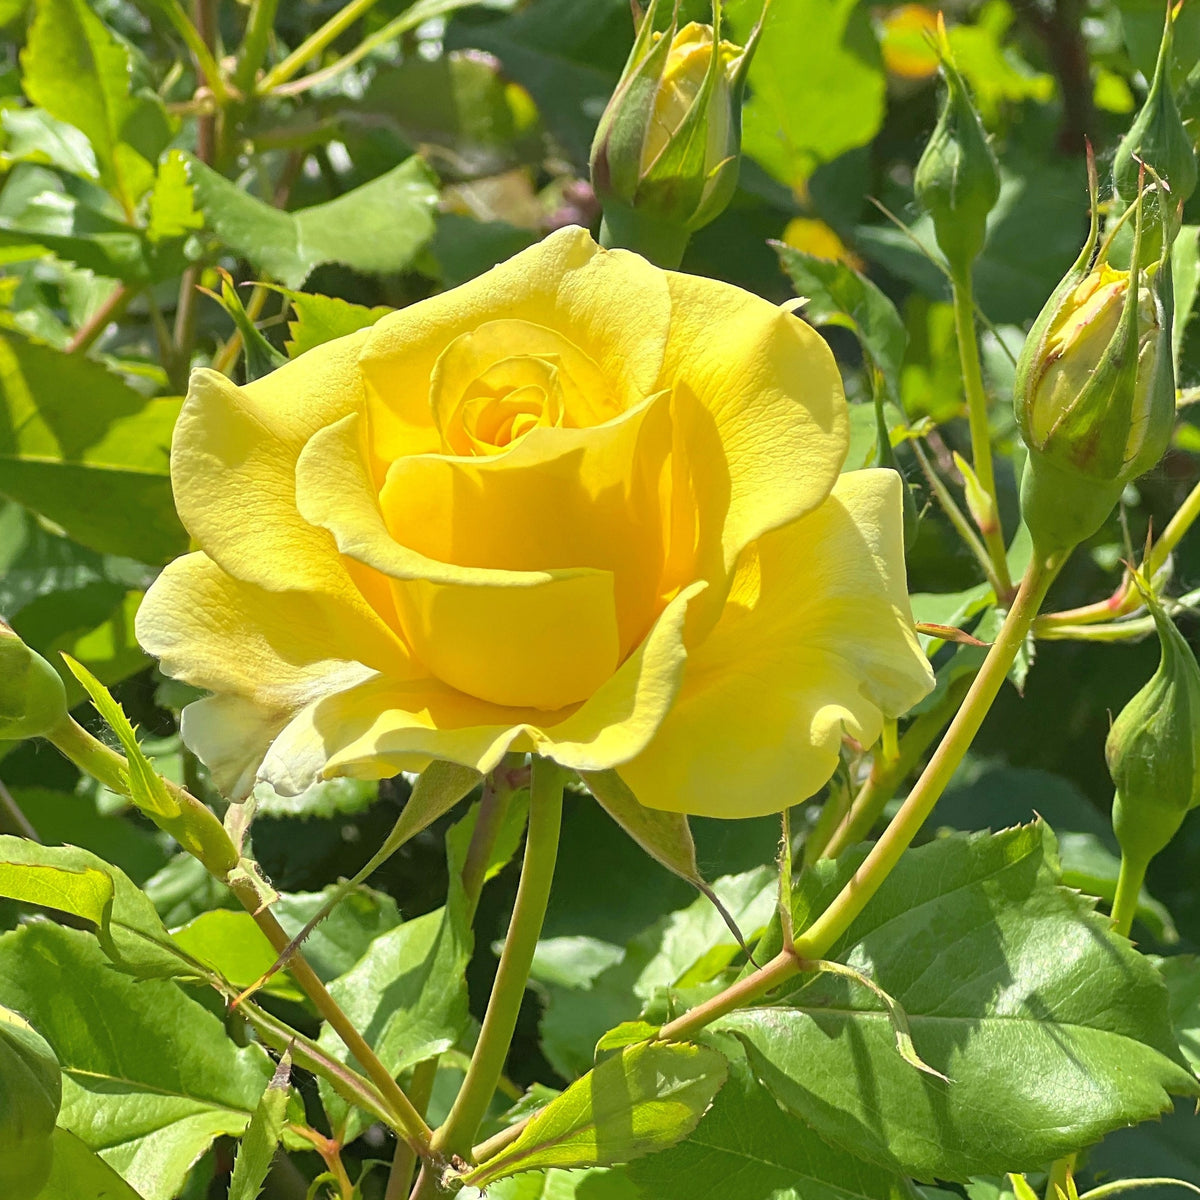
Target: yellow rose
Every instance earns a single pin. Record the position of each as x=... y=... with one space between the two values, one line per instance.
x=579 y=507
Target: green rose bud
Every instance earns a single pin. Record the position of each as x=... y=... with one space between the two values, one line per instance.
x=1157 y=138
x=30 y=1097
x=1153 y=749
x=1094 y=389
x=958 y=179
x=666 y=152
x=32 y=698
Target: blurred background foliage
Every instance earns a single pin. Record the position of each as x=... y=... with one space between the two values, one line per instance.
x=413 y=150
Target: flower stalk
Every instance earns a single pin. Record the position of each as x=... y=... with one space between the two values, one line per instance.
x=981 y=438
x=525 y=927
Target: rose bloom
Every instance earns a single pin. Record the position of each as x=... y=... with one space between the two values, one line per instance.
x=579 y=507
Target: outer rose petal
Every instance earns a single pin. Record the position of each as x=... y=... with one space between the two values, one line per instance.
x=612 y=304
x=265 y=654
x=770 y=431
x=383 y=726
x=816 y=638
x=233 y=471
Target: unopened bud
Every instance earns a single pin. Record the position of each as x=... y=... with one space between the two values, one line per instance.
x=1094 y=389
x=1153 y=748
x=668 y=145
x=957 y=181
x=32 y=697
x=30 y=1097
x=1157 y=136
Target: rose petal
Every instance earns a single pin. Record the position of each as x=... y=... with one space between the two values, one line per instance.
x=761 y=420
x=540 y=638
x=816 y=639
x=613 y=306
x=268 y=654
x=381 y=727
x=561 y=498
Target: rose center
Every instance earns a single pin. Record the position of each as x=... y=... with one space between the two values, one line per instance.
x=493 y=386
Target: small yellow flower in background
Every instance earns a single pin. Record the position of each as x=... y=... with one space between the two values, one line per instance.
x=906 y=38
x=818 y=239
x=578 y=506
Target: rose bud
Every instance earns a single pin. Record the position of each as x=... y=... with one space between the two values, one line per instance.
x=30 y=1097
x=32 y=697
x=1153 y=749
x=1158 y=139
x=1094 y=389
x=957 y=181
x=666 y=152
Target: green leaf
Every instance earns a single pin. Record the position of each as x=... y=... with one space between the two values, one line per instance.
x=684 y=949
x=816 y=84
x=258 y=1147
x=131 y=933
x=318 y=319
x=408 y=997
x=172 y=209
x=377 y=228
x=596 y=1183
x=995 y=964
x=641 y=1100
x=86 y=451
x=839 y=295
x=231 y=944
x=146 y=787
x=33 y=135
x=748 y=1147
x=149 y=1076
x=1182 y=975
x=75 y=230
x=66 y=817
x=80 y=73
x=85 y=892
x=78 y=1173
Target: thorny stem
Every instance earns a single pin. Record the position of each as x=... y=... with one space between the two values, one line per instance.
x=408 y=1120
x=114 y=305
x=885 y=777
x=1126 y=598
x=817 y=940
x=310 y=1055
x=981 y=438
x=218 y=854
x=314 y=44
x=955 y=514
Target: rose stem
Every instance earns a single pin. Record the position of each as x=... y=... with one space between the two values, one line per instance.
x=525 y=927
x=91 y=755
